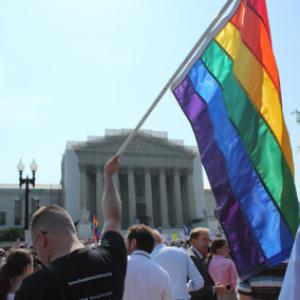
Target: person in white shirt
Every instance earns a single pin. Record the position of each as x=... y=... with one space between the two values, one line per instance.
x=290 y=287
x=179 y=267
x=144 y=278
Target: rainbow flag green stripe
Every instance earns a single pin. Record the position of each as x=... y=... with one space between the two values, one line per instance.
x=230 y=93
x=265 y=153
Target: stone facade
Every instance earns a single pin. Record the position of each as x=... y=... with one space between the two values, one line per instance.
x=156 y=179
x=12 y=202
x=160 y=182
x=210 y=212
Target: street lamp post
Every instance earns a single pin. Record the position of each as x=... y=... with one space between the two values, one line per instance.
x=27 y=182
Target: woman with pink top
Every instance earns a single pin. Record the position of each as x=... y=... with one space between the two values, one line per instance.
x=222 y=269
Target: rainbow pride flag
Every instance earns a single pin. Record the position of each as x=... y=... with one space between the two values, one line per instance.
x=96 y=229
x=230 y=92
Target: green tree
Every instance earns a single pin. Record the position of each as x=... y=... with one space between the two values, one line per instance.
x=11 y=234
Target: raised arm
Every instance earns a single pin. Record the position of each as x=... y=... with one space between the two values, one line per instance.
x=111 y=203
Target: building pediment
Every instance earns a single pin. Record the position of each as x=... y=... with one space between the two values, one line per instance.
x=142 y=144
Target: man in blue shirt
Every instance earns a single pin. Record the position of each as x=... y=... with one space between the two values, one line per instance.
x=179 y=267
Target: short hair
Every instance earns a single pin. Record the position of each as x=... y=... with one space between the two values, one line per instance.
x=143 y=236
x=52 y=218
x=157 y=236
x=197 y=231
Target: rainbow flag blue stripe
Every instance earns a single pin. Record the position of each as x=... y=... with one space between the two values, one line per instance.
x=231 y=96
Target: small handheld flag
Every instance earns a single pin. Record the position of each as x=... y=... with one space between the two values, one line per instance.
x=96 y=229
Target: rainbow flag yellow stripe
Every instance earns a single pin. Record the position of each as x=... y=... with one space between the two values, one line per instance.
x=231 y=96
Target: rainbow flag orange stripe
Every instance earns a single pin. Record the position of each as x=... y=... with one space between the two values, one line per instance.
x=231 y=96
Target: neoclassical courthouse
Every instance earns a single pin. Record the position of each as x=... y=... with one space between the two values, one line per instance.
x=160 y=182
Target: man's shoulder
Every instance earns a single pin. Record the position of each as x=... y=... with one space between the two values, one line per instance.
x=173 y=250
x=112 y=235
x=176 y=249
x=195 y=258
x=112 y=243
x=112 y=239
x=158 y=270
x=145 y=264
x=191 y=252
x=179 y=254
x=35 y=285
x=38 y=277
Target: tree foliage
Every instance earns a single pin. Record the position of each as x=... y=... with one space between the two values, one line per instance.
x=11 y=234
x=297 y=113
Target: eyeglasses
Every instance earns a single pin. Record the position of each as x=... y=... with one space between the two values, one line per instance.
x=37 y=237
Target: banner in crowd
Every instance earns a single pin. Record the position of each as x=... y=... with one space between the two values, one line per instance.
x=230 y=92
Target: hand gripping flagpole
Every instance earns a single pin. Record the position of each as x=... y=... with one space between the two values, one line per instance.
x=174 y=76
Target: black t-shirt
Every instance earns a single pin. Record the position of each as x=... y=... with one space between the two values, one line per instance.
x=84 y=274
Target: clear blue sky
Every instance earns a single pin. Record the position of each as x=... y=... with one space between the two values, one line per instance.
x=71 y=68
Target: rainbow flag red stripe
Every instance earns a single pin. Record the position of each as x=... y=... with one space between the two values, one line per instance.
x=231 y=96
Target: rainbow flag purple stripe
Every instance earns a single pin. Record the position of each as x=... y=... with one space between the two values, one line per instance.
x=231 y=96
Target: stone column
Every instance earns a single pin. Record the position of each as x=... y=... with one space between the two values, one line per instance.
x=192 y=213
x=148 y=196
x=178 y=201
x=99 y=193
x=163 y=199
x=83 y=188
x=131 y=196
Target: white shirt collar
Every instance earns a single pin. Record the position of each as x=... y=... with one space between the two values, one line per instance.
x=159 y=246
x=198 y=252
x=140 y=253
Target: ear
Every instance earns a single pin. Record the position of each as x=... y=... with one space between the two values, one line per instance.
x=44 y=240
x=28 y=270
x=133 y=244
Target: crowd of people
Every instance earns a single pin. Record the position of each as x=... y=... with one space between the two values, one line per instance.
x=139 y=266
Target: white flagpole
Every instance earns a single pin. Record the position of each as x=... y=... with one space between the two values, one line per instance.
x=174 y=76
